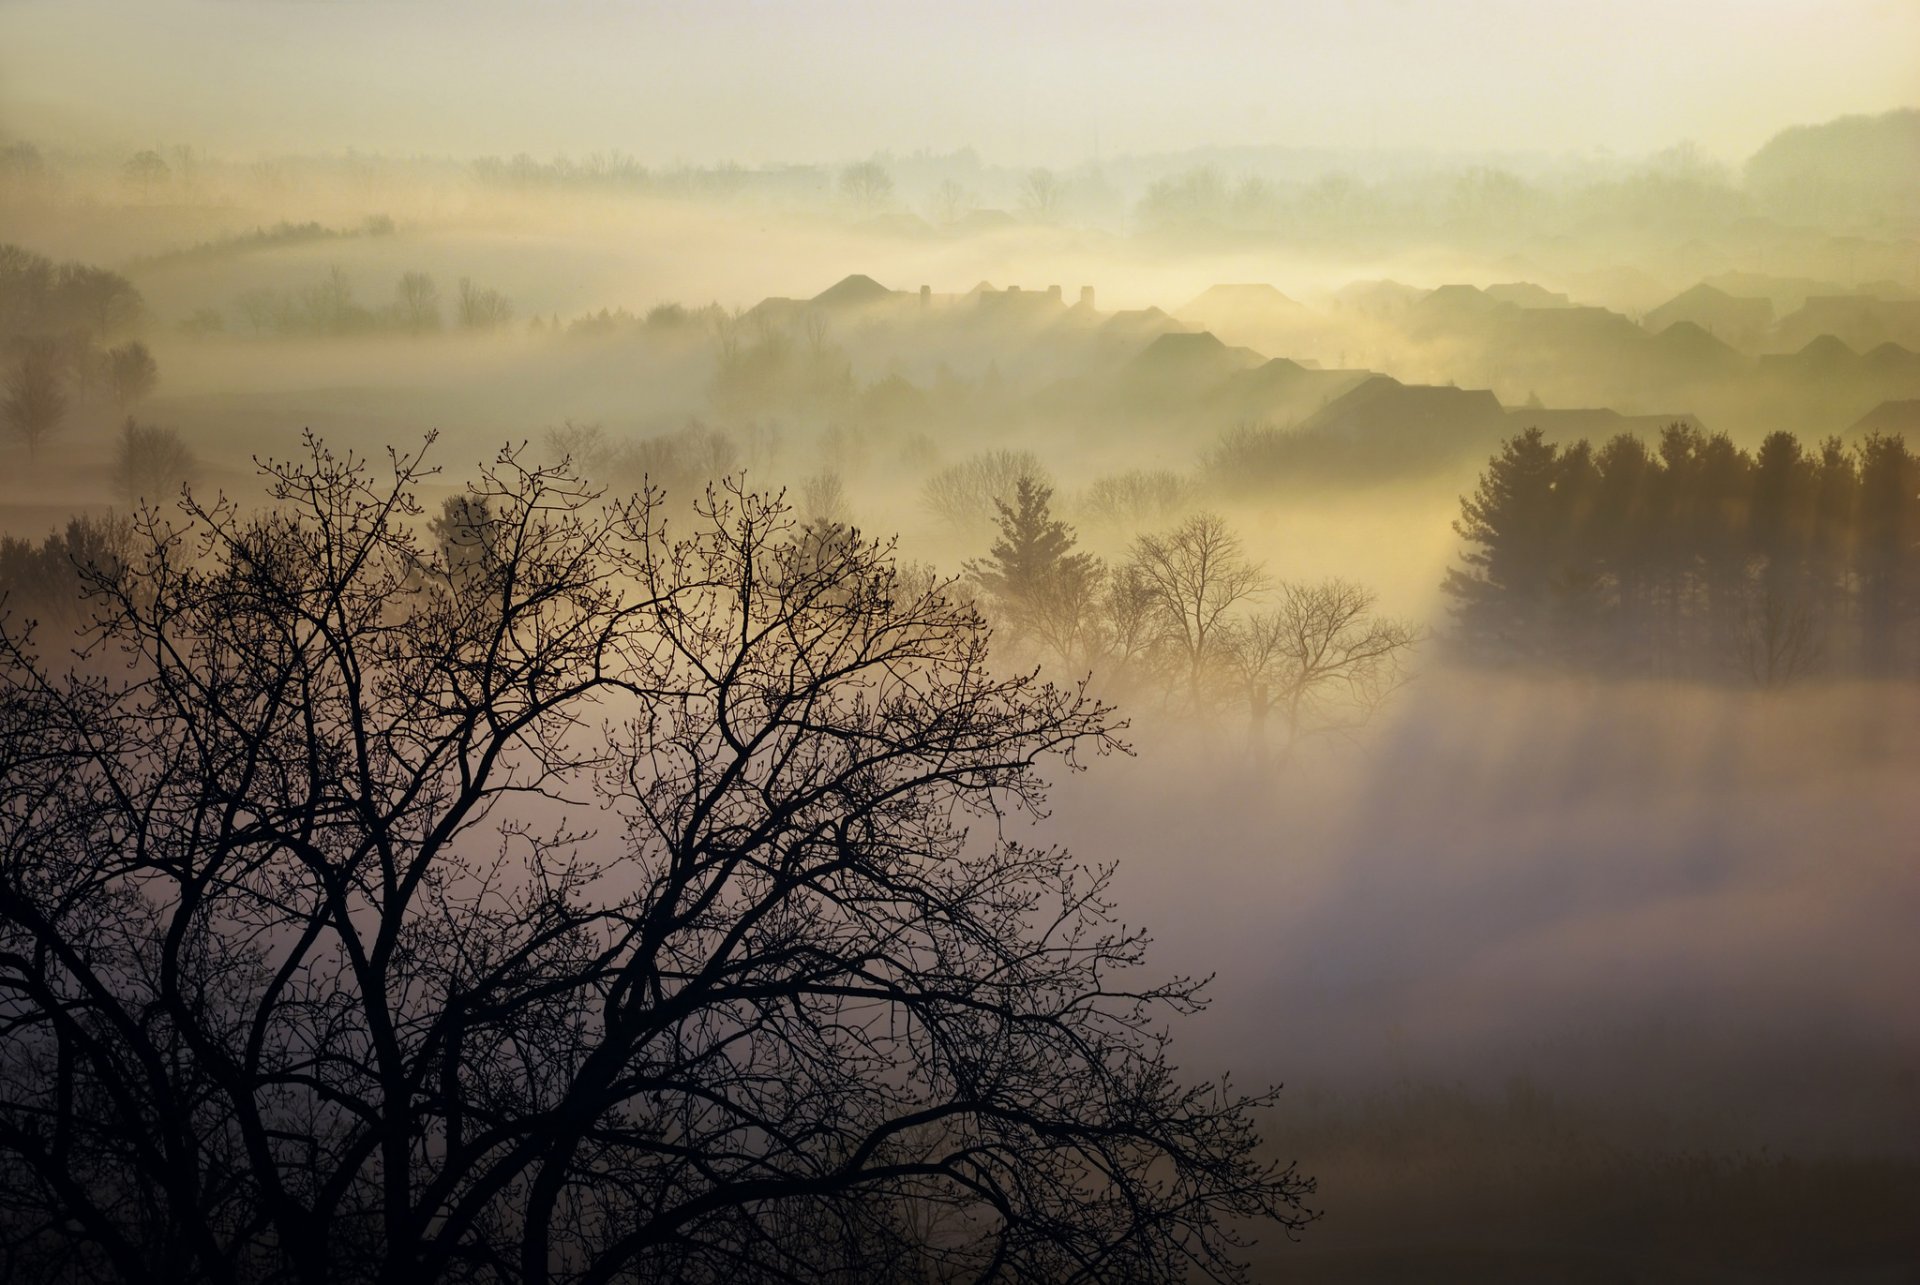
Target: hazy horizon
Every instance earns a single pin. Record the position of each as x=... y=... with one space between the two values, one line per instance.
x=1055 y=84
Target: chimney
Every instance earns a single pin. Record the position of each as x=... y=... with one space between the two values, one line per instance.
x=1053 y=293
x=926 y=296
x=1086 y=297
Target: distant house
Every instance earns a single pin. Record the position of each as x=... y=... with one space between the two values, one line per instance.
x=1890 y=418
x=1739 y=321
x=1863 y=321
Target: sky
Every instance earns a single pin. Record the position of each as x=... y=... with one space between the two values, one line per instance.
x=1039 y=82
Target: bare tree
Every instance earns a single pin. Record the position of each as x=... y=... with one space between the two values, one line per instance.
x=967 y=496
x=418 y=302
x=150 y=463
x=483 y=308
x=951 y=202
x=35 y=403
x=310 y=972
x=145 y=170
x=867 y=184
x=1779 y=639
x=1194 y=577
x=823 y=500
x=131 y=373
x=1041 y=192
x=1323 y=659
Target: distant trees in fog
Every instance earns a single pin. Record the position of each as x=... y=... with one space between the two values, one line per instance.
x=150 y=464
x=765 y=363
x=1041 y=193
x=47 y=582
x=482 y=308
x=131 y=373
x=867 y=184
x=417 y=300
x=41 y=298
x=1195 y=577
x=330 y=307
x=969 y=497
x=1694 y=556
x=34 y=404
x=1039 y=584
x=54 y=319
x=1135 y=499
x=144 y=171
x=1323 y=660
x=1187 y=615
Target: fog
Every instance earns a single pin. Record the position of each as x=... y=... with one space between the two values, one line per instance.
x=1540 y=390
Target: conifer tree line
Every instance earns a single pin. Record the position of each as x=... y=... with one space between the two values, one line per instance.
x=1694 y=557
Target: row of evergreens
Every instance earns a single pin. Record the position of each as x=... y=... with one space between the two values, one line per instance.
x=1693 y=556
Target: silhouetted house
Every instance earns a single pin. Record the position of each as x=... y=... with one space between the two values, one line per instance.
x=1892 y=362
x=1890 y=418
x=1453 y=308
x=1741 y=322
x=1189 y=357
x=1862 y=321
x=1525 y=294
x=1281 y=392
x=1684 y=353
x=1416 y=417
x=854 y=292
x=1129 y=324
x=1823 y=357
x=1378 y=300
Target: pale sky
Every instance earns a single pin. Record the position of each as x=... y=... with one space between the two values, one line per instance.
x=1033 y=82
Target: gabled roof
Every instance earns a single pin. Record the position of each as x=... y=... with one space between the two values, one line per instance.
x=853 y=291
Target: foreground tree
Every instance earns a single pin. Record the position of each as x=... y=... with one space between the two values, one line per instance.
x=309 y=970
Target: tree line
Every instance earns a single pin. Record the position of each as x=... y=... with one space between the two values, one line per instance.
x=56 y=321
x=1188 y=620
x=1694 y=557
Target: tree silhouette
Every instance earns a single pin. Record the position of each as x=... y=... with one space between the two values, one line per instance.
x=310 y=971
x=1193 y=577
x=146 y=170
x=1323 y=659
x=1041 y=192
x=150 y=463
x=131 y=373
x=35 y=404
x=1695 y=557
x=1038 y=586
x=482 y=308
x=867 y=184
x=418 y=302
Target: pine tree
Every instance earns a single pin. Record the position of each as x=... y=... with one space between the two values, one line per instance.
x=1509 y=519
x=1037 y=585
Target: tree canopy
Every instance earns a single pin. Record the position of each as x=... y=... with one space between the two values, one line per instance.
x=558 y=900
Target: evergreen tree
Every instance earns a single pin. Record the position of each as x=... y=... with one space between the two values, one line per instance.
x=1037 y=585
x=1509 y=520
